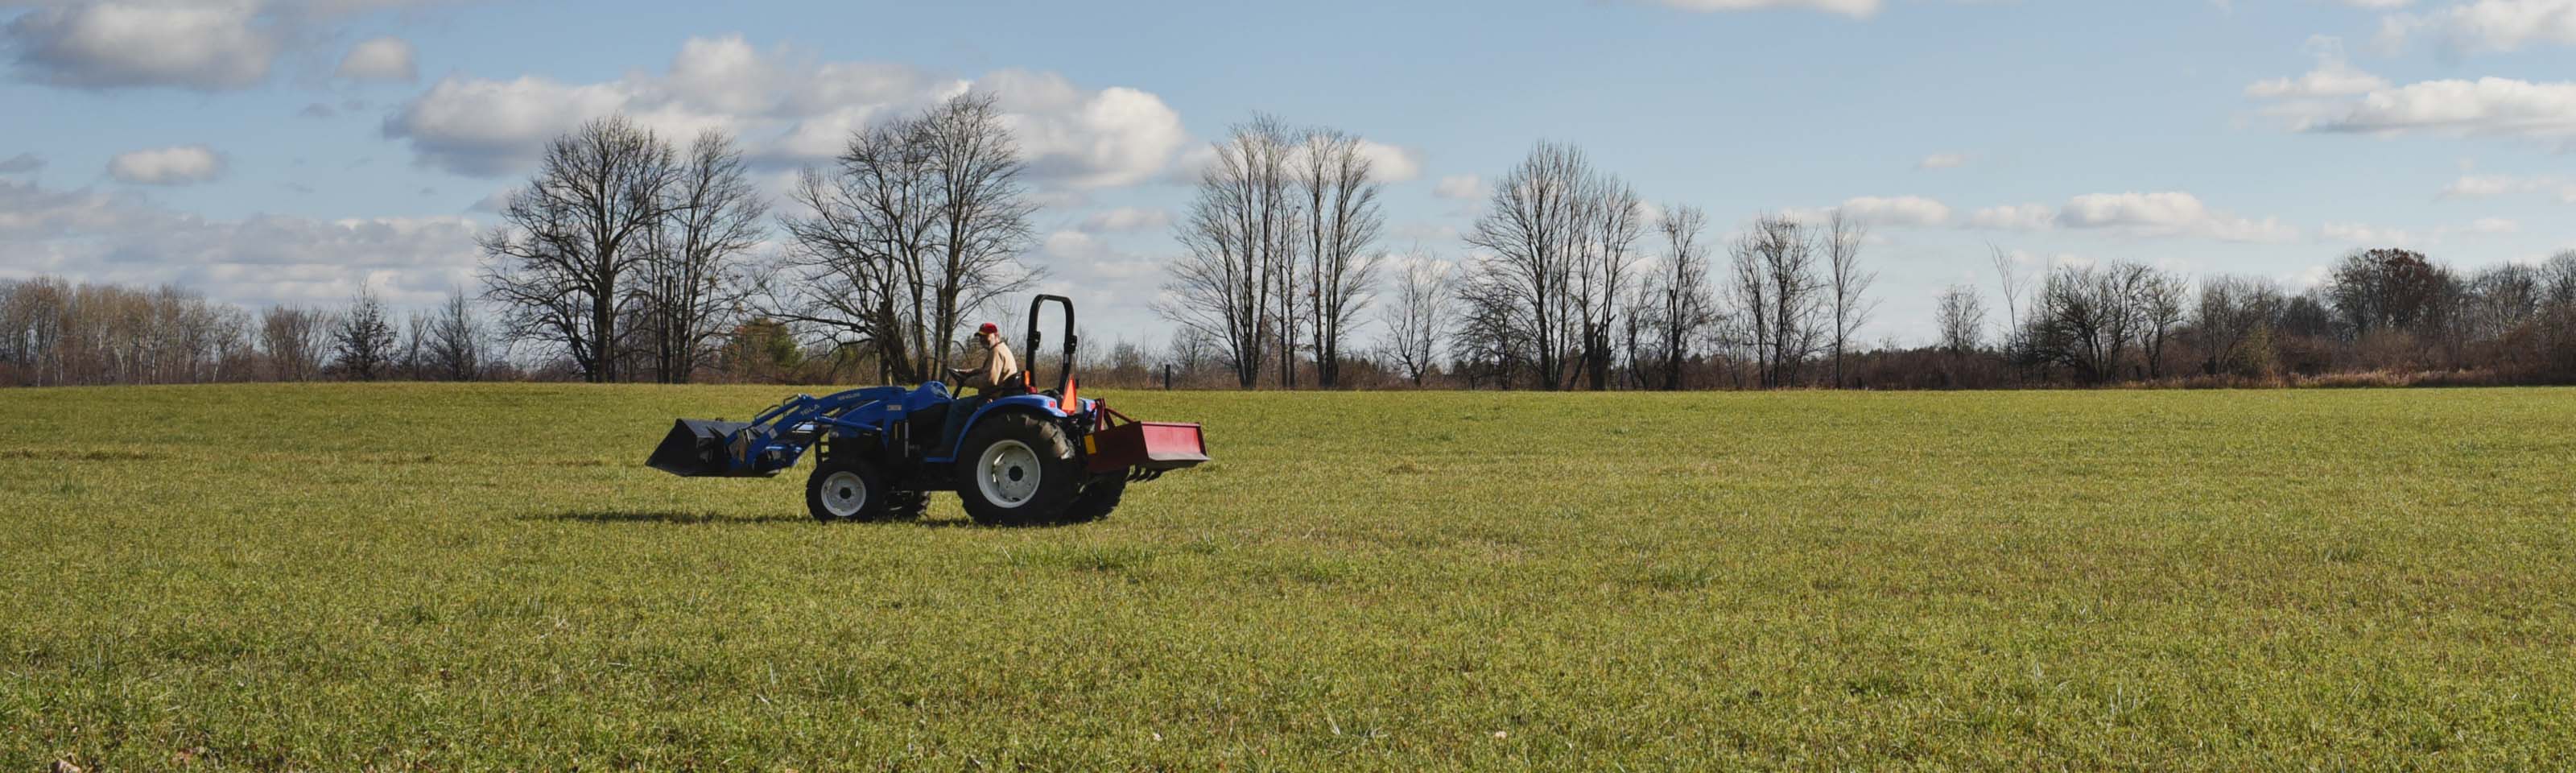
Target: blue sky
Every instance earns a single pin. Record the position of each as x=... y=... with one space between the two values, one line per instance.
x=287 y=151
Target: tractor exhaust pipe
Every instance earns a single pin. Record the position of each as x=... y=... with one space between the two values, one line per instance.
x=696 y=449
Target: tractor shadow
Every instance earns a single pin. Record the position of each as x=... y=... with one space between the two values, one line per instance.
x=651 y=516
x=696 y=518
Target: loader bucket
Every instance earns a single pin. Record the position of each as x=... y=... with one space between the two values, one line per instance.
x=695 y=448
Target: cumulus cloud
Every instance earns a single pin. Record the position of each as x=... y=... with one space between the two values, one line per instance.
x=1127 y=219
x=23 y=163
x=2164 y=214
x=1078 y=256
x=2489 y=186
x=1858 y=9
x=2167 y=214
x=1461 y=187
x=2485 y=25
x=264 y=259
x=379 y=59
x=176 y=165
x=2334 y=76
x=2015 y=217
x=2359 y=234
x=210 y=46
x=1898 y=211
x=2336 y=98
x=2493 y=225
x=2486 y=107
x=789 y=108
x=1901 y=211
x=1942 y=161
x=1391 y=163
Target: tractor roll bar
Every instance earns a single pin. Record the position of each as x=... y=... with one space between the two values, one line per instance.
x=1064 y=375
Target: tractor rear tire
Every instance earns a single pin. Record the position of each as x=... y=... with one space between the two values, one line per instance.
x=846 y=489
x=1016 y=469
x=1097 y=498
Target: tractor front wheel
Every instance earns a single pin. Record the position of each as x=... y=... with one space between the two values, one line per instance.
x=845 y=489
x=1016 y=469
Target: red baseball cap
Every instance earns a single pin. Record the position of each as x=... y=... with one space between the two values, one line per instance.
x=989 y=328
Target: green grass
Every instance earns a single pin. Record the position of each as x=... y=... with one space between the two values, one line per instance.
x=336 y=577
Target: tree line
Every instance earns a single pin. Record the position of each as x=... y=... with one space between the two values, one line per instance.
x=627 y=257
x=55 y=332
x=1570 y=281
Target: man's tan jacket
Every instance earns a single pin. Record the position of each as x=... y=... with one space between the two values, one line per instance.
x=994 y=368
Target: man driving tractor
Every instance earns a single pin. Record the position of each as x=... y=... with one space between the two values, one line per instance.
x=993 y=368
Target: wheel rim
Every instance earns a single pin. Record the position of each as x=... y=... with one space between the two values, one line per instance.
x=1007 y=473
x=844 y=493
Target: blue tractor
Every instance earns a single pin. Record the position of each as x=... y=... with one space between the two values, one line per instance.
x=1025 y=457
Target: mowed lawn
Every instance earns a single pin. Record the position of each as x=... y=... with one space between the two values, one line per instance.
x=344 y=577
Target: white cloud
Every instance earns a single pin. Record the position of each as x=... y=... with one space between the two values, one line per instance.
x=208 y=46
x=1942 y=161
x=2487 y=107
x=2165 y=214
x=379 y=59
x=1858 y=9
x=2015 y=217
x=2359 y=234
x=177 y=165
x=2493 y=225
x=789 y=108
x=1462 y=187
x=1391 y=163
x=89 y=236
x=1074 y=255
x=482 y=127
x=2336 y=98
x=2486 y=25
x=2489 y=186
x=1897 y=211
x=2333 y=76
x=1127 y=219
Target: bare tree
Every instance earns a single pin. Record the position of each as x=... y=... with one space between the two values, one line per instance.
x=1342 y=221
x=1684 y=308
x=455 y=346
x=691 y=279
x=295 y=341
x=1522 y=302
x=2160 y=300
x=1846 y=284
x=2232 y=311
x=1239 y=242
x=920 y=223
x=1613 y=219
x=362 y=345
x=1415 y=323
x=2087 y=319
x=413 y=362
x=1961 y=318
x=1783 y=299
x=558 y=265
x=981 y=226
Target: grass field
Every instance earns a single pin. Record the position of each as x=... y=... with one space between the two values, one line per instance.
x=337 y=577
